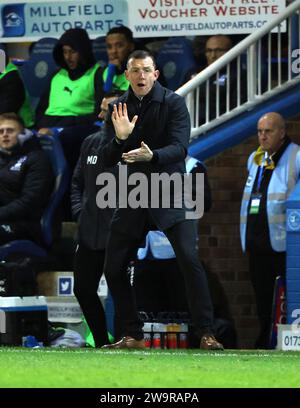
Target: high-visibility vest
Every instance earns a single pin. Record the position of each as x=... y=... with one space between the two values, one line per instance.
x=25 y=112
x=72 y=98
x=283 y=180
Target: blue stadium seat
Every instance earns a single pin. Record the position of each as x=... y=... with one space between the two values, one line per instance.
x=176 y=60
x=99 y=51
x=37 y=71
x=157 y=246
x=51 y=145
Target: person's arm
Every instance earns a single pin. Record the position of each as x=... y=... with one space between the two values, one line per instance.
x=178 y=133
x=37 y=185
x=77 y=187
x=177 y=137
x=99 y=93
x=12 y=92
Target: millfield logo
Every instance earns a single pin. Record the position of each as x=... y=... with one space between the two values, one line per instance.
x=2 y=61
x=158 y=190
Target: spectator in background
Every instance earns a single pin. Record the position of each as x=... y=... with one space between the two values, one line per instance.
x=119 y=44
x=215 y=47
x=71 y=103
x=93 y=229
x=273 y=172
x=72 y=99
x=13 y=96
x=26 y=181
x=74 y=93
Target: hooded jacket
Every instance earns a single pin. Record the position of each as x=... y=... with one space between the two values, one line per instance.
x=77 y=39
x=26 y=182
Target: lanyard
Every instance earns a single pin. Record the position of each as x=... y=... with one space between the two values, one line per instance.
x=261 y=170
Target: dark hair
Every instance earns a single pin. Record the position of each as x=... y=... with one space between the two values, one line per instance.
x=12 y=116
x=122 y=30
x=141 y=54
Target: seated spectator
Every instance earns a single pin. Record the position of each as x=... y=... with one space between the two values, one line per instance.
x=71 y=102
x=26 y=181
x=215 y=47
x=119 y=44
x=13 y=97
x=74 y=94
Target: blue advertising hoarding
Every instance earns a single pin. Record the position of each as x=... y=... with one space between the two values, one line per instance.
x=33 y=20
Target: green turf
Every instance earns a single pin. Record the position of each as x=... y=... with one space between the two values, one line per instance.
x=83 y=368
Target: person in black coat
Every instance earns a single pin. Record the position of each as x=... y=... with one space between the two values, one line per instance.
x=149 y=131
x=26 y=181
x=93 y=228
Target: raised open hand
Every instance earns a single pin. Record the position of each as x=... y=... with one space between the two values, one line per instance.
x=123 y=126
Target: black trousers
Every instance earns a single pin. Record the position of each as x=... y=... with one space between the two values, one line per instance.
x=121 y=249
x=88 y=270
x=263 y=271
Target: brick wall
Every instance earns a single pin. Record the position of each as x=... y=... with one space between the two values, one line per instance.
x=219 y=244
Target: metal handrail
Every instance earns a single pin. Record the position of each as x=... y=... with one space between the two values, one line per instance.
x=251 y=46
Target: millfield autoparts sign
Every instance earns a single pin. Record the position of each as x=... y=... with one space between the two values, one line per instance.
x=31 y=20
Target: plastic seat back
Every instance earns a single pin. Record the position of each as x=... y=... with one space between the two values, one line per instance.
x=176 y=60
x=52 y=146
x=37 y=71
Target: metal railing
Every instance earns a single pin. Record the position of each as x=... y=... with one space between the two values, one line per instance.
x=262 y=65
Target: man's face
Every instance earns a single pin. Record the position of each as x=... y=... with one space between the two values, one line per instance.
x=216 y=47
x=71 y=57
x=118 y=48
x=104 y=107
x=9 y=131
x=141 y=74
x=270 y=134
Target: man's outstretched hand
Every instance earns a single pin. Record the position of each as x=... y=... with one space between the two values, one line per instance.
x=123 y=126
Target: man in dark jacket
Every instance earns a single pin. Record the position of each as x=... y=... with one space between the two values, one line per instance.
x=93 y=229
x=149 y=130
x=26 y=181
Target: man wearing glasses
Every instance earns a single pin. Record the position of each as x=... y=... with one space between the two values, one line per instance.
x=149 y=133
x=226 y=81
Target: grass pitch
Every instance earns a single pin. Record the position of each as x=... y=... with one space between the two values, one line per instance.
x=89 y=368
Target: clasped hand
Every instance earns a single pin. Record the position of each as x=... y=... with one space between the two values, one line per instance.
x=143 y=154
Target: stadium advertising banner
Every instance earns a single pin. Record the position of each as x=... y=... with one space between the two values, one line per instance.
x=32 y=20
x=157 y=18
